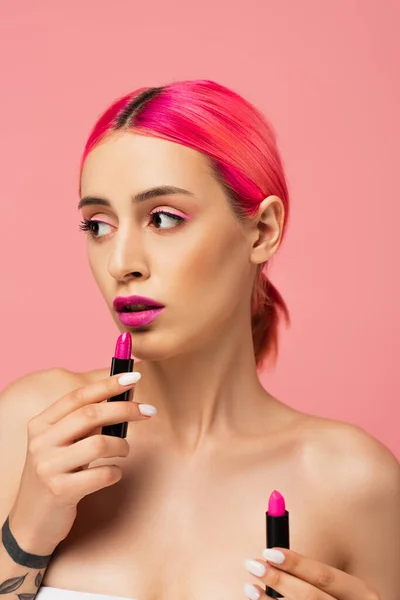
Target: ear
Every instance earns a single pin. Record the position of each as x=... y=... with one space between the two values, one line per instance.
x=266 y=230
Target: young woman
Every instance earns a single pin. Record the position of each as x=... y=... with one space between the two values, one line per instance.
x=184 y=201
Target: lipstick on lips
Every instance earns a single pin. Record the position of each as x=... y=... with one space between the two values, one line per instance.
x=121 y=363
x=277 y=529
x=137 y=311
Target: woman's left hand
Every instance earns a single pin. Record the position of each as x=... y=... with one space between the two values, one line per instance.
x=297 y=577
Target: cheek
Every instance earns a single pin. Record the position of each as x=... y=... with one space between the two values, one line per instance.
x=207 y=272
x=193 y=266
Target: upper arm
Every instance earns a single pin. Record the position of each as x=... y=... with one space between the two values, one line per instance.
x=20 y=401
x=372 y=539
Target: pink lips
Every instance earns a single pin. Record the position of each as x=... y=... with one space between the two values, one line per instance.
x=140 y=318
x=122 y=301
x=137 y=318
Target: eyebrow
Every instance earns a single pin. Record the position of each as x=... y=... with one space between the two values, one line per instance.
x=163 y=190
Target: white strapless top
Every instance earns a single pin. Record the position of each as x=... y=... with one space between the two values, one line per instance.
x=52 y=593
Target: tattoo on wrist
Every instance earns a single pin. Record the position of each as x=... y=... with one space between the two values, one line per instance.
x=32 y=561
x=11 y=585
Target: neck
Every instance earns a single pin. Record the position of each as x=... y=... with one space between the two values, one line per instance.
x=207 y=395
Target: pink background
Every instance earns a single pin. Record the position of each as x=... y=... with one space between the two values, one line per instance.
x=327 y=76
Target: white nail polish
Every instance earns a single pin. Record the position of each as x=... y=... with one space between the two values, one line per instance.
x=128 y=378
x=251 y=592
x=147 y=409
x=274 y=556
x=254 y=567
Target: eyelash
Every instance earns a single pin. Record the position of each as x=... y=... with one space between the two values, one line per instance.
x=86 y=224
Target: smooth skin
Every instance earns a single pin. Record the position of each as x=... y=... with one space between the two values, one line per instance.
x=189 y=508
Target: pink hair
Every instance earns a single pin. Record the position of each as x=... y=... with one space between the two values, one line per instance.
x=241 y=146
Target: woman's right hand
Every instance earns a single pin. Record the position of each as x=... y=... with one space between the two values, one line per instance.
x=62 y=441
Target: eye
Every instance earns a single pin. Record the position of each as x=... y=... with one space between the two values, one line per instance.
x=93 y=228
x=169 y=215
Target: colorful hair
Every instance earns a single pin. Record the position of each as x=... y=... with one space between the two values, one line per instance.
x=241 y=146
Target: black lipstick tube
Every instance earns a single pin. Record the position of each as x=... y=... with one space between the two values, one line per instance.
x=277 y=531
x=119 y=365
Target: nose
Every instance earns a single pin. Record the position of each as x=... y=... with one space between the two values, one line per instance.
x=127 y=256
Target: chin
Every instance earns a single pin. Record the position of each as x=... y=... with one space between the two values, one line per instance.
x=158 y=346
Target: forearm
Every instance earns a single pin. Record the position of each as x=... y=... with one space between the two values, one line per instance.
x=16 y=579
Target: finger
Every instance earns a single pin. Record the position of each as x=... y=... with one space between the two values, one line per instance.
x=76 y=425
x=335 y=582
x=72 y=487
x=88 y=394
x=290 y=587
x=82 y=453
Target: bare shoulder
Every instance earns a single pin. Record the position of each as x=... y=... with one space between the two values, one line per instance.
x=345 y=457
x=32 y=393
x=20 y=401
x=354 y=480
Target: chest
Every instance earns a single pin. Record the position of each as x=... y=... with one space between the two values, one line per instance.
x=158 y=535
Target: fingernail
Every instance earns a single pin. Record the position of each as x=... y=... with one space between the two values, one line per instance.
x=251 y=591
x=128 y=378
x=254 y=567
x=147 y=409
x=274 y=556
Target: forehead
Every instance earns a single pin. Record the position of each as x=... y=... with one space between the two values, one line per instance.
x=132 y=162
